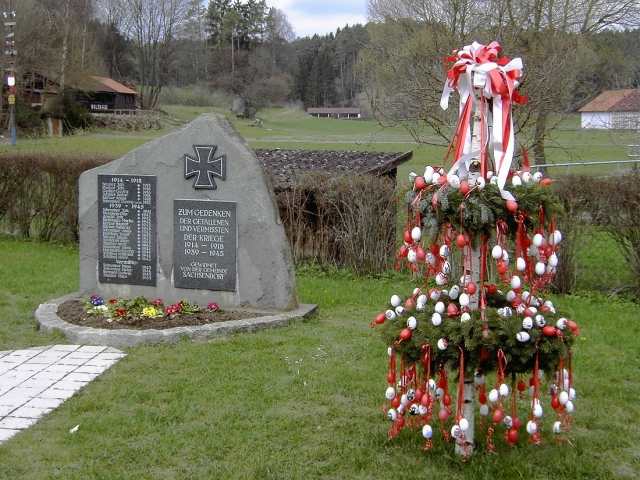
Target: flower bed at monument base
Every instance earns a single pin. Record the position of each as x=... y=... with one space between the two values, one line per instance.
x=74 y=311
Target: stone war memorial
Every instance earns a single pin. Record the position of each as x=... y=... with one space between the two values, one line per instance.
x=188 y=218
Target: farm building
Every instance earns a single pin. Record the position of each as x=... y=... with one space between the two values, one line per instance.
x=343 y=112
x=338 y=208
x=105 y=95
x=612 y=109
x=97 y=94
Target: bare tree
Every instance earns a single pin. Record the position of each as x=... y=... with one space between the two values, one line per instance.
x=153 y=26
x=409 y=39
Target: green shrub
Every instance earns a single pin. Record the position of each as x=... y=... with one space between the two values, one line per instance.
x=39 y=194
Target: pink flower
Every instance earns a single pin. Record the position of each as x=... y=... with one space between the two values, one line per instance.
x=213 y=307
x=157 y=302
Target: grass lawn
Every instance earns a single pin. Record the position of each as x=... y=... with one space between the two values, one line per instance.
x=297 y=402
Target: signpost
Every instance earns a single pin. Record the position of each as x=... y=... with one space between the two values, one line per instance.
x=10 y=54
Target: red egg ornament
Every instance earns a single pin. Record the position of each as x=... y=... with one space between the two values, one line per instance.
x=404 y=251
x=464 y=187
x=549 y=331
x=407 y=237
x=380 y=318
x=512 y=436
x=502 y=267
x=420 y=183
x=405 y=335
x=498 y=415
x=512 y=206
x=452 y=310
x=421 y=256
x=471 y=288
x=410 y=304
x=461 y=241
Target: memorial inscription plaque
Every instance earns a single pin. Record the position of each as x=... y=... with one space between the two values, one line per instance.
x=127 y=229
x=205 y=245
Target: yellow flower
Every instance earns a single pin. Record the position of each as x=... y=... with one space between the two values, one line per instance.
x=150 y=312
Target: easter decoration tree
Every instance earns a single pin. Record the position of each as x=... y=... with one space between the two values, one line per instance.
x=484 y=254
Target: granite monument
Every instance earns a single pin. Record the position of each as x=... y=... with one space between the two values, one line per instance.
x=190 y=216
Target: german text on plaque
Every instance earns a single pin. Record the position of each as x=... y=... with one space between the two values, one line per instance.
x=127 y=229
x=204 y=244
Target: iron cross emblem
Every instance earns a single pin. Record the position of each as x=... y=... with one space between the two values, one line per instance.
x=206 y=167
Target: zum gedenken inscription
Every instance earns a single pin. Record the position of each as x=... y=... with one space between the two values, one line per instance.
x=204 y=244
x=127 y=229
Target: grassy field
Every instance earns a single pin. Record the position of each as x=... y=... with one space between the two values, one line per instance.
x=304 y=401
x=298 y=402
x=290 y=128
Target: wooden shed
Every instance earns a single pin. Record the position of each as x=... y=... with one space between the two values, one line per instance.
x=105 y=95
x=338 y=207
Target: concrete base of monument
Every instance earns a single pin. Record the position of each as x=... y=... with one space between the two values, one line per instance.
x=49 y=321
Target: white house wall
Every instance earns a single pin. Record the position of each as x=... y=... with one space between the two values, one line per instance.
x=602 y=120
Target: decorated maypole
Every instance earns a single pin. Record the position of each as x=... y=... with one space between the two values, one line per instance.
x=481 y=236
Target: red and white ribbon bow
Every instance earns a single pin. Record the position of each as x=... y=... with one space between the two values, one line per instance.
x=480 y=72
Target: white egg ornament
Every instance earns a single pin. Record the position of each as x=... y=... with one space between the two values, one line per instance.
x=416 y=234
x=480 y=183
x=504 y=390
x=516 y=283
x=427 y=432
x=463 y=424
x=537 y=410
x=510 y=296
x=538 y=240
x=400 y=311
x=444 y=251
x=428 y=173
x=441 y=279
x=521 y=264
x=390 y=315
x=496 y=252
x=435 y=178
x=439 y=307
x=523 y=337
x=456 y=432
x=396 y=301
x=493 y=395
x=555 y=238
x=553 y=260
x=464 y=300
x=484 y=410
x=422 y=298
x=436 y=319
x=557 y=427
x=540 y=321
x=454 y=292
x=443 y=344
x=412 y=256
x=569 y=407
x=537 y=177
x=527 y=177
x=390 y=393
x=516 y=181
x=454 y=181
x=540 y=269
x=434 y=294
x=532 y=427
x=412 y=323
x=527 y=323
x=392 y=414
x=563 y=398
x=561 y=323
x=465 y=317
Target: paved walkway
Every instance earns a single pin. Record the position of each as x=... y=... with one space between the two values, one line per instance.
x=35 y=381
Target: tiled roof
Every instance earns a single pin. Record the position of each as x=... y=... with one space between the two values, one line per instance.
x=284 y=165
x=615 y=101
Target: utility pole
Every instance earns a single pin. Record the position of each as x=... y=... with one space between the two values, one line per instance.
x=10 y=53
